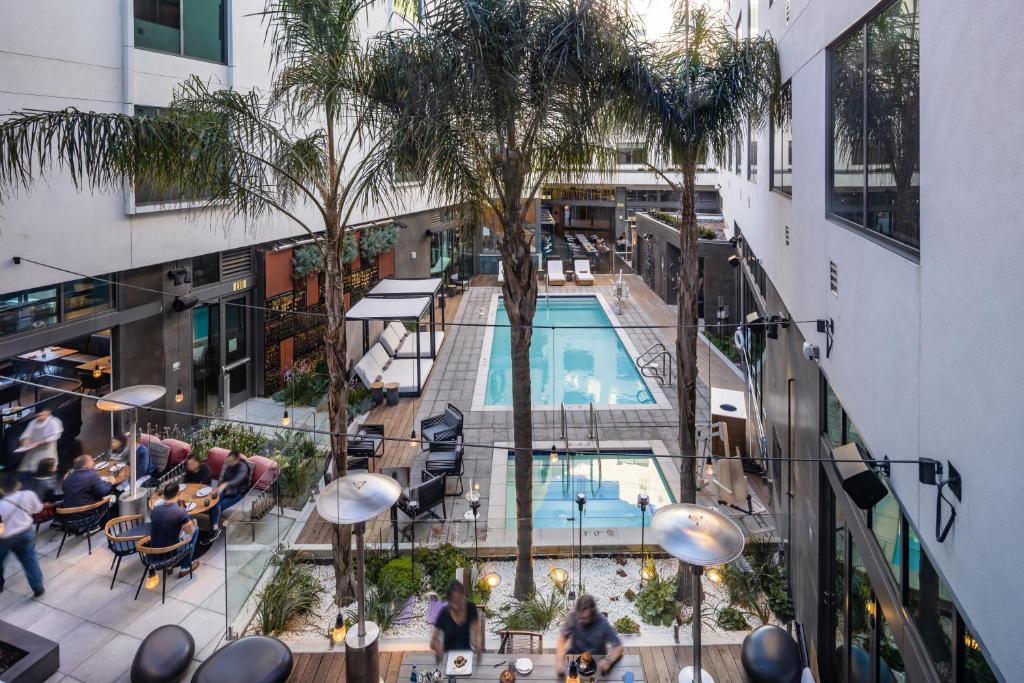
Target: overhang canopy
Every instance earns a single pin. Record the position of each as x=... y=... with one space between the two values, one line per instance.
x=392 y=287
x=392 y=308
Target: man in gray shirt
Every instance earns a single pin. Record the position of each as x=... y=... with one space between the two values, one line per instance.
x=587 y=630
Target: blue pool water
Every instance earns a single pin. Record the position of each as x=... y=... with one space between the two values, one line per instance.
x=587 y=365
x=611 y=483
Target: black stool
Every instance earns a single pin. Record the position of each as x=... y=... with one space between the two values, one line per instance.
x=770 y=655
x=163 y=655
x=253 y=659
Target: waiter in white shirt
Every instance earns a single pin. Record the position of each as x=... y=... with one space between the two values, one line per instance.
x=16 y=535
x=39 y=440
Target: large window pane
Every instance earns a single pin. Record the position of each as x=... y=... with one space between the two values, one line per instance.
x=838 y=578
x=976 y=668
x=782 y=157
x=892 y=123
x=85 y=297
x=890 y=661
x=204 y=29
x=28 y=309
x=931 y=608
x=833 y=417
x=847 y=197
x=862 y=617
x=751 y=156
x=885 y=525
x=158 y=25
x=205 y=269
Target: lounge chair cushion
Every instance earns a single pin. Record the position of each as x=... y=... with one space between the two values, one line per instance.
x=408 y=349
x=399 y=329
x=391 y=341
x=555 y=272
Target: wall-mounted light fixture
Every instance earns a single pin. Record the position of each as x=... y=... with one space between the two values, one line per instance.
x=827 y=327
x=179 y=276
x=928 y=473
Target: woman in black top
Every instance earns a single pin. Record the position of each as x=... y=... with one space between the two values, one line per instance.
x=457 y=627
x=196 y=472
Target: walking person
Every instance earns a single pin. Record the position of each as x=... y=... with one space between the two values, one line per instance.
x=39 y=440
x=16 y=510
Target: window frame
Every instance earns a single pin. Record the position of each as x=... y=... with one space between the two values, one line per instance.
x=773 y=128
x=892 y=244
x=224 y=31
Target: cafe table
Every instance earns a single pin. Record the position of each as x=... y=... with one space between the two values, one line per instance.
x=47 y=355
x=103 y=468
x=188 y=495
x=101 y=364
x=486 y=669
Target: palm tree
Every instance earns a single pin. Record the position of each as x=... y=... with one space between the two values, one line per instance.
x=711 y=84
x=294 y=151
x=484 y=101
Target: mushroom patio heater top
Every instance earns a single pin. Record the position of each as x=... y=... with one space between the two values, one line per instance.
x=354 y=499
x=131 y=398
x=701 y=537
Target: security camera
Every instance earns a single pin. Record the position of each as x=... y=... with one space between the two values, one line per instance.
x=810 y=351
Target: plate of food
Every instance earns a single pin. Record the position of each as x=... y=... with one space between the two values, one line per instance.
x=586 y=664
x=102 y=465
x=523 y=665
x=190 y=507
x=182 y=487
x=460 y=663
x=203 y=492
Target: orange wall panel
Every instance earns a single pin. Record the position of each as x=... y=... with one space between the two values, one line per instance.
x=312 y=290
x=386 y=264
x=287 y=353
x=278 y=279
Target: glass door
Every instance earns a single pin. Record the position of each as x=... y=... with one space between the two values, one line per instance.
x=236 y=349
x=206 y=359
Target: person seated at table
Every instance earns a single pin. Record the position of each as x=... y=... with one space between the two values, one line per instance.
x=83 y=485
x=457 y=626
x=198 y=472
x=234 y=480
x=587 y=630
x=170 y=523
x=119 y=452
x=44 y=481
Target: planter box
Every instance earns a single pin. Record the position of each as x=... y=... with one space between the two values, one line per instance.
x=41 y=658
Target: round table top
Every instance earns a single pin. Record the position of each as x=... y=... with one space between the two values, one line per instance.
x=188 y=495
x=115 y=479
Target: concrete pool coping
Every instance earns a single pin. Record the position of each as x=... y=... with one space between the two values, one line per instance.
x=547 y=537
x=480 y=388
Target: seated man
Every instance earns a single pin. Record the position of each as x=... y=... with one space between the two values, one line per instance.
x=197 y=472
x=170 y=524
x=119 y=452
x=83 y=485
x=234 y=480
x=587 y=630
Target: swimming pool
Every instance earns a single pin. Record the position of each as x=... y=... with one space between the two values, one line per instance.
x=570 y=366
x=610 y=481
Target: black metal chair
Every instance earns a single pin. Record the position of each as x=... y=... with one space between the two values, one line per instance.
x=446 y=458
x=444 y=427
x=82 y=521
x=158 y=560
x=365 y=446
x=120 y=539
x=429 y=494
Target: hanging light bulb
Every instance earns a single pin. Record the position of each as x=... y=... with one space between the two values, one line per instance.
x=554 y=454
x=492 y=580
x=339 y=630
x=286 y=419
x=412 y=435
x=179 y=396
x=714 y=574
x=152 y=580
x=97 y=372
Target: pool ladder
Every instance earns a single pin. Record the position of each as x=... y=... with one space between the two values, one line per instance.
x=592 y=433
x=657 y=363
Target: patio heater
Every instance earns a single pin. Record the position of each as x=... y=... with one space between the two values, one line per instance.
x=701 y=537
x=581 y=502
x=473 y=496
x=131 y=398
x=354 y=499
x=413 y=506
x=642 y=501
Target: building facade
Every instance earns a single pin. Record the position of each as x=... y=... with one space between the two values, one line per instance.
x=850 y=214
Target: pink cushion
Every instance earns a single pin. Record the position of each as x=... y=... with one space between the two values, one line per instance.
x=260 y=468
x=215 y=458
x=146 y=438
x=179 y=451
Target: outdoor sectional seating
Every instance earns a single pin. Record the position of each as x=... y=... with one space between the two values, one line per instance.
x=446 y=427
x=377 y=364
x=401 y=343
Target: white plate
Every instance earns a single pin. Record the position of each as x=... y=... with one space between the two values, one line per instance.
x=203 y=492
x=191 y=507
x=523 y=665
x=101 y=465
x=466 y=669
x=182 y=487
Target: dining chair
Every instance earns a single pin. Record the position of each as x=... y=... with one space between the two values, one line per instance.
x=160 y=560
x=120 y=540
x=82 y=521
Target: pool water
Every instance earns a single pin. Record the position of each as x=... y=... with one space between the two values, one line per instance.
x=575 y=367
x=611 y=483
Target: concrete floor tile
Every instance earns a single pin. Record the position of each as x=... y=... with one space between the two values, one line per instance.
x=171 y=612
x=81 y=643
x=109 y=663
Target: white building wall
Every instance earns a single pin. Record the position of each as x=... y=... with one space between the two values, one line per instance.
x=924 y=358
x=65 y=53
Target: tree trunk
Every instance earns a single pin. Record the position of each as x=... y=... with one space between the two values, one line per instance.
x=520 y=292
x=686 y=356
x=336 y=350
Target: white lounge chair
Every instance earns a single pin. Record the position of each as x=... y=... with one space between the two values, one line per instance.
x=556 y=276
x=401 y=343
x=583 y=274
x=378 y=365
x=501 y=273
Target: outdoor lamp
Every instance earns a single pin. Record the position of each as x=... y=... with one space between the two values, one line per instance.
x=152 y=580
x=286 y=419
x=97 y=372
x=179 y=396
x=339 y=630
x=559 y=577
x=647 y=572
x=715 y=574
x=492 y=580
x=554 y=455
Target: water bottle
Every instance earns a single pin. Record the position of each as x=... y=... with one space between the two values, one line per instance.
x=413 y=677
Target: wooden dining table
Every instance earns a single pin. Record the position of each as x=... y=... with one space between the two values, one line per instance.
x=102 y=364
x=47 y=355
x=116 y=478
x=487 y=667
x=188 y=495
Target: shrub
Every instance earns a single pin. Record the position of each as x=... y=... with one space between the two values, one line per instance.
x=398 y=574
x=440 y=564
x=383 y=605
x=291 y=443
x=378 y=240
x=358 y=401
x=303 y=389
x=763 y=590
x=307 y=260
x=627 y=626
x=294 y=591
x=630 y=595
x=731 y=619
x=706 y=233
x=375 y=562
x=536 y=613
x=349 y=248
x=226 y=435
x=656 y=602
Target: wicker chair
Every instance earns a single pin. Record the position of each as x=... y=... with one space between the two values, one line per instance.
x=120 y=540
x=160 y=560
x=520 y=642
x=82 y=521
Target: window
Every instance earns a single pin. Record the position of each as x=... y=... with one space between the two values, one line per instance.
x=738 y=169
x=193 y=28
x=85 y=297
x=147 y=193
x=205 y=270
x=631 y=153
x=930 y=607
x=782 y=156
x=752 y=18
x=28 y=309
x=751 y=155
x=874 y=77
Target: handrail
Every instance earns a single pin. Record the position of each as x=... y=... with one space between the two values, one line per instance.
x=597 y=448
x=659 y=347
x=659 y=366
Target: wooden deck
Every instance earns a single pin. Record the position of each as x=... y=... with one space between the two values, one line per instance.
x=661 y=664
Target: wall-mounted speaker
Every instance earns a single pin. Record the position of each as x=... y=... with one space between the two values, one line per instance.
x=860 y=482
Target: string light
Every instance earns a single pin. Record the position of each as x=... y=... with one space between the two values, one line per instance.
x=554 y=455
x=152 y=580
x=340 y=630
x=492 y=580
x=286 y=419
x=179 y=396
x=559 y=577
x=97 y=372
x=714 y=574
